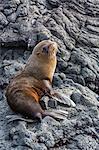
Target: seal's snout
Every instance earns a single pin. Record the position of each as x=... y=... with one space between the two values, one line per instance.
x=54 y=44
x=48 y=48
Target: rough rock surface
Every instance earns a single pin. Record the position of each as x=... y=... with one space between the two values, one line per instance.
x=74 y=25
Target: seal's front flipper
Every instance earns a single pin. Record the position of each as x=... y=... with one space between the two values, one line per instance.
x=63 y=99
x=57 y=114
x=11 y=118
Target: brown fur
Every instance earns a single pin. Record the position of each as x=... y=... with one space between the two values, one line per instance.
x=26 y=89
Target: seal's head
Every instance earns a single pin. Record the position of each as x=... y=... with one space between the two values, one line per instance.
x=46 y=49
x=42 y=62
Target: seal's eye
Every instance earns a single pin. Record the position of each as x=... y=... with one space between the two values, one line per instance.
x=37 y=53
x=45 y=49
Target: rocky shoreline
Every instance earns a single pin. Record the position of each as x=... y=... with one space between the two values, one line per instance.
x=73 y=24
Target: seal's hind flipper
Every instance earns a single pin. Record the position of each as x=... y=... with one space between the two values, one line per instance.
x=11 y=118
x=57 y=114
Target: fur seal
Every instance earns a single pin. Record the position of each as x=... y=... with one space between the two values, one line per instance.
x=26 y=89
